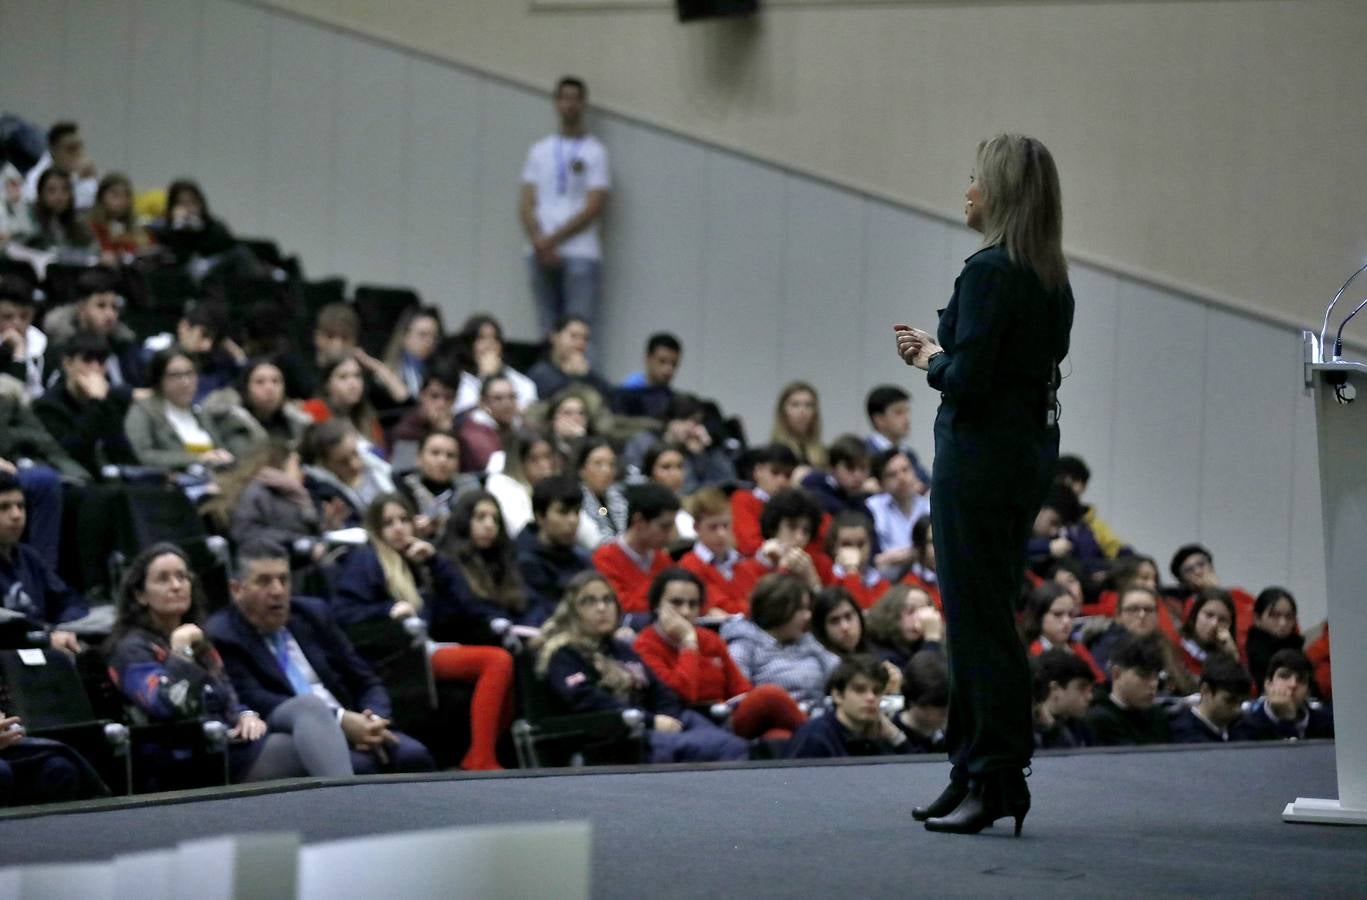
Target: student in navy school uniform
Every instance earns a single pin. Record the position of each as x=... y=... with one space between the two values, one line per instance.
x=1063 y=689
x=925 y=690
x=844 y=487
x=1225 y=685
x=856 y=727
x=28 y=585
x=1127 y=715
x=1285 y=711
x=548 y=555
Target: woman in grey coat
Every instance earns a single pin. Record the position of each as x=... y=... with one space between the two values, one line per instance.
x=167 y=430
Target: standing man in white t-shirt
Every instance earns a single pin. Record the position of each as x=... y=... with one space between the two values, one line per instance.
x=564 y=189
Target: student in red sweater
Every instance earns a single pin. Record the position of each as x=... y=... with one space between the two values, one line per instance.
x=850 y=544
x=922 y=572
x=1048 y=623
x=696 y=665
x=772 y=471
x=1210 y=626
x=790 y=519
x=714 y=558
x=1194 y=567
x=630 y=561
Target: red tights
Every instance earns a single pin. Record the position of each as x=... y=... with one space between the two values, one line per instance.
x=491 y=708
x=767 y=707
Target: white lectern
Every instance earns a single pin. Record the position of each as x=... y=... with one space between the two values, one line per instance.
x=1342 y=428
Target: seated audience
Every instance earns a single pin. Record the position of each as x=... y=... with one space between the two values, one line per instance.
x=16 y=217
x=488 y=429
x=646 y=394
x=789 y=524
x=1131 y=569
x=889 y=411
x=566 y=361
x=334 y=469
x=478 y=544
x=258 y=412
x=713 y=556
x=1127 y=714
x=342 y=397
x=40 y=464
x=605 y=513
x=772 y=471
x=902 y=623
x=526 y=464
x=588 y=669
x=23 y=346
x=336 y=337
x=775 y=645
x=1225 y=686
x=631 y=561
x=925 y=695
x=1209 y=628
x=1063 y=690
x=398 y=576
x=265 y=497
x=66 y=154
x=797 y=425
x=412 y=344
x=843 y=487
x=58 y=234
x=30 y=588
x=703 y=463
x=165 y=666
x=1059 y=533
x=895 y=511
x=37 y=770
x=168 y=430
x=432 y=413
x=122 y=238
x=434 y=487
x=838 y=623
x=1138 y=615
x=696 y=665
x=480 y=354
x=83 y=411
x=200 y=243
x=1274 y=629
x=201 y=334
x=1194 y=568
x=663 y=464
x=568 y=421
x=1073 y=472
x=96 y=311
x=850 y=542
x=548 y=555
x=1285 y=711
x=856 y=726
x=1048 y=623
x=276 y=647
x=921 y=574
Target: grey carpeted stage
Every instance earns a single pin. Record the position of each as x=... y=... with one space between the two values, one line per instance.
x=1170 y=822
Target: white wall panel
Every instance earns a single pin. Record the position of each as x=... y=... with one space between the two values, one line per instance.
x=1248 y=437
x=164 y=92
x=744 y=284
x=300 y=180
x=821 y=337
x=32 y=48
x=369 y=165
x=509 y=121
x=908 y=275
x=95 y=78
x=1089 y=394
x=657 y=212
x=1305 y=574
x=232 y=114
x=441 y=188
x=1157 y=420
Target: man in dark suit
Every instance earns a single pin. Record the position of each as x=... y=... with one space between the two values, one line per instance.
x=276 y=647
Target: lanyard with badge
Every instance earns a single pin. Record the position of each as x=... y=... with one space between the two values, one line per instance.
x=564 y=166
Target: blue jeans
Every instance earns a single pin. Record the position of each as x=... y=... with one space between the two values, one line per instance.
x=42 y=489
x=574 y=287
x=701 y=740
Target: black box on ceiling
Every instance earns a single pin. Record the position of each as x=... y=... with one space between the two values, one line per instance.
x=689 y=10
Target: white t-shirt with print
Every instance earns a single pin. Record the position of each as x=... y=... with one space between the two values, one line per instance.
x=563 y=170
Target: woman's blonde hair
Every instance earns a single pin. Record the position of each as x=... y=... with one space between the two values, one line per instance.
x=398 y=576
x=884 y=619
x=564 y=629
x=1023 y=207
x=808 y=447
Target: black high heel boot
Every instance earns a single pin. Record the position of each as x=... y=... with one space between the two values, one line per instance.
x=990 y=797
x=944 y=804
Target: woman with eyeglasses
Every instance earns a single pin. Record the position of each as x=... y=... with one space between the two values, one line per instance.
x=696 y=665
x=588 y=669
x=168 y=430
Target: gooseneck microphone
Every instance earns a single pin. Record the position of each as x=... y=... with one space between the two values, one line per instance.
x=1338 y=339
x=1332 y=303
